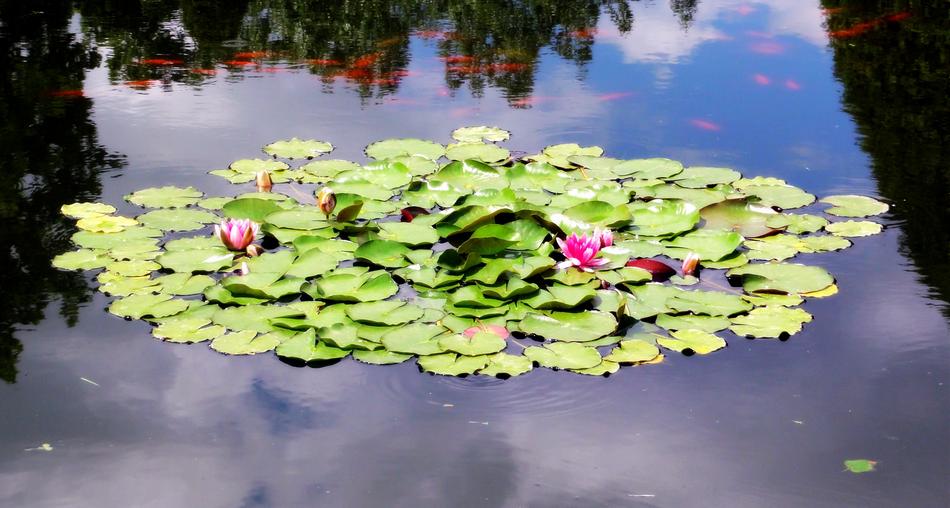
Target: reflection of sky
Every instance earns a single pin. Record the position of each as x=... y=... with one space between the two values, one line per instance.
x=764 y=423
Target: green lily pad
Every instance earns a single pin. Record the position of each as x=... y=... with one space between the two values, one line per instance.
x=92 y=240
x=385 y=253
x=537 y=176
x=412 y=234
x=482 y=343
x=133 y=268
x=245 y=343
x=564 y=355
x=648 y=168
x=252 y=166
x=699 y=177
x=255 y=209
x=451 y=364
x=854 y=228
x=711 y=324
x=105 y=223
x=414 y=338
x=557 y=155
x=709 y=244
x=177 y=219
x=782 y=196
x=324 y=170
x=252 y=317
x=782 y=278
x=606 y=367
x=632 y=352
x=692 y=341
x=479 y=133
x=660 y=217
x=390 y=148
x=698 y=197
x=181 y=284
x=147 y=305
x=388 y=174
x=712 y=303
x=304 y=346
x=187 y=330
x=82 y=259
x=506 y=365
x=490 y=239
x=84 y=210
x=380 y=357
x=749 y=219
x=797 y=223
x=294 y=148
x=569 y=326
x=591 y=215
x=482 y=152
x=311 y=264
x=165 y=197
x=389 y=312
x=770 y=322
x=197 y=260
x=860 y=465
x=125 y=286
x=470 y=175
x=345 y=287
x=854 y=206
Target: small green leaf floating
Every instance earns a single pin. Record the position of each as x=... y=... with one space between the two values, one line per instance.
x=858 y=466
x=447 y=255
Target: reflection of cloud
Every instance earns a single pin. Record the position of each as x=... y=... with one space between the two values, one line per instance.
x=657 y=36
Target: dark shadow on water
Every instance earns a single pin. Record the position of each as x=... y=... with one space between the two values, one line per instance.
x=51 y=157
x=895 y=76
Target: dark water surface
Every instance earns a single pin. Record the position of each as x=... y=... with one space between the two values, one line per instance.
x=757 y=86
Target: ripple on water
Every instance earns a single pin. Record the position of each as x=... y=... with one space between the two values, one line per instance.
x=540 y=392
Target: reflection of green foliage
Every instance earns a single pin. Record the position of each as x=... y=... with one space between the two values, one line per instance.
x=51 y=157
x=685 y=10
x=895 y=77
x=370 y=39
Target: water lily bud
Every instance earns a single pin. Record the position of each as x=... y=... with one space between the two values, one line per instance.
x=264 y=183
x=326 y=201
x=254 y=250
x=690 y=263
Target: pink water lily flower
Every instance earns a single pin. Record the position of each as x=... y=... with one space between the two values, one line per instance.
x=581 y=251
x=236 y=234
x=605 y=236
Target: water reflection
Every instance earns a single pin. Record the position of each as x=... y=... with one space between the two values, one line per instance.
x=51 y=156
x=895 y=65
x=366 y=44
x=763 y=424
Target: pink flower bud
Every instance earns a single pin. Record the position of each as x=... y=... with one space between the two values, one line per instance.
x=690 y=263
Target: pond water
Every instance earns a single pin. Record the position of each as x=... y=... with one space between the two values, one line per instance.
x=99 y=99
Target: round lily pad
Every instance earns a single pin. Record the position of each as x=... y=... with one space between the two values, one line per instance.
x=854 y=228
x=692 y=341
x=165 y=197
x=854 y=206
x=782 y=278
x=295 y=148
x=569 y=326
x=479 y=133
x=84 y=210
x=390 y=148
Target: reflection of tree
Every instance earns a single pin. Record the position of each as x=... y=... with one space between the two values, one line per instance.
x=365 y=42
x=685 y=10
x=51 y=157
x=895 y=75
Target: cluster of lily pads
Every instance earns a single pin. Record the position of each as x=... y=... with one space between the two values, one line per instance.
x=482 y=264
